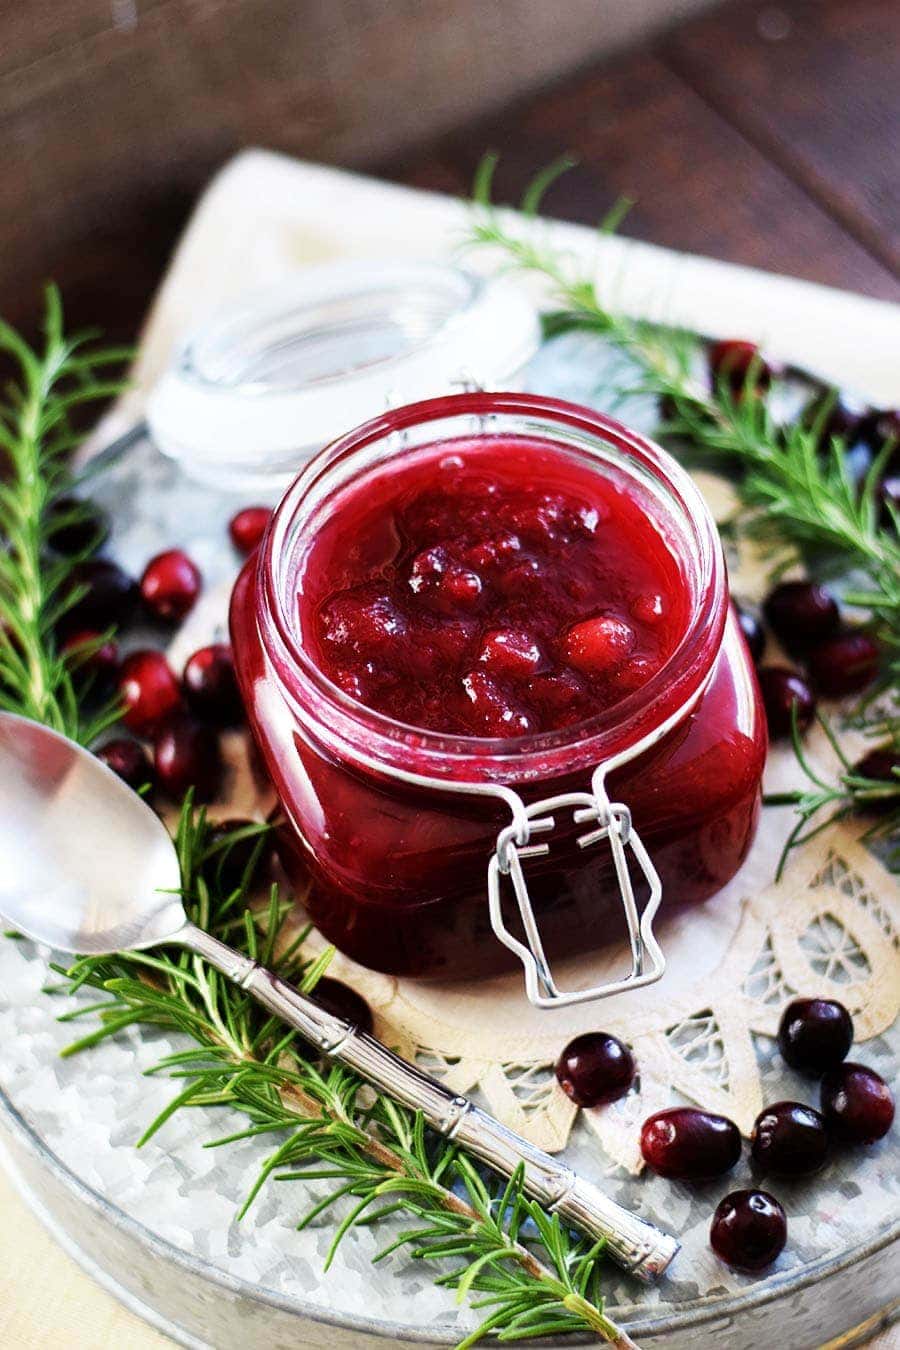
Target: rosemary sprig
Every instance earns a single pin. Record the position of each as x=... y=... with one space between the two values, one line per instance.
x=797 y=498
x=514 y=1262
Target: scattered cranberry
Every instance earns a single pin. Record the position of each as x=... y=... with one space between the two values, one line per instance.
x=733 y=362
x=835 y=416
x=76 y=526
x=857 y=1104
x=245 y=861
x=789 y=1140
x=93 y=661
x=342 y=1001
x=595 y=1068
x=109 y=598
x=752 y=629
x=186 y=755
x=844 y=664
x=782 y=691
x=129 y=760
x=149 y=690
x=882 y=765
x=801 y=613
x=597 y=646
x=749 y=1230
x=248 y=527
x=815 y=1034
x=687 y=1144
x=210 y=685
x=170 y=585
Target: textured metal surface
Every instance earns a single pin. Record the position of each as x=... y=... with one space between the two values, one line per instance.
x=160 y=1221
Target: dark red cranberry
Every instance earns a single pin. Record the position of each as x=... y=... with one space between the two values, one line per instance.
x=149 y=689
x=210 y=685
x=687 y=1144
x=833 y=416
x=789 y=1140
x=857 y=1104
x=844 y=665
x=882 y=765
x=733 y=362
x=801 y=613
x=815 y=1034
x=342 y=1001
x=186 y=755
x=170 y=585
x=234 y=862
x=248 y=527
x=748 y=1230
x=109 y=598
x=129 y=760
x=782 y=691
x=76 y=526
x=595 y=1068
x=753 y=631
x=93 y=661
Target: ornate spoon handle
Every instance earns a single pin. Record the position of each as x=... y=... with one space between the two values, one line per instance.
x=633 y=1242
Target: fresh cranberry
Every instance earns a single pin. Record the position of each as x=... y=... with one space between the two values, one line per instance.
x=149 y=690
x=211 y=687
x=882 y=765
x=232 y=863
x=815 y=1034
x=833 y=416
x=598 y=645
x=801 y=613
x=595 y=1068
x=844 y=664
x=186 y=755
x=76 y=526
x=170 y=585
x=733 y=362
x=748 y=1230
x=93 y=661
x=129 y=760
x=340 y=1000
x=789 y=1140
x=753 y=631
x=857 y=1104
x=108 y=601
x=687 y=1144
x=248 y=527
x=782 y=691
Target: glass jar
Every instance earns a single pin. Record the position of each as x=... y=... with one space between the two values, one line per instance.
x=394 y=827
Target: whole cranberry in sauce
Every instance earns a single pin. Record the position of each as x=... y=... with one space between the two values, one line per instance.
x=595 y=1068
x=801 y=613
x=170 y=585
x=149 y=690
x=782 y=691
x=857 y=1104
x=789 y=1140
x=247 y=528
x=186 y=755
x=815 y=1034
x=108 y=601
x=342 y=1001
x=210 y=685
x=844 y=665
x=129 y=760
x=734 y=362
x=748 y=1230
x=687 y=1144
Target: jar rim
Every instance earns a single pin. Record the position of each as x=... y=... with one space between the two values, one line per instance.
x=534 y=755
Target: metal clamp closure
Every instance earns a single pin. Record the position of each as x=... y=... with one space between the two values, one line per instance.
x=612 y=822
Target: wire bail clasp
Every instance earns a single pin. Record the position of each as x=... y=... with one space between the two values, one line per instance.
x=612 y=822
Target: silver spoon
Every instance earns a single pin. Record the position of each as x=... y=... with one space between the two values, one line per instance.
x=87 y=867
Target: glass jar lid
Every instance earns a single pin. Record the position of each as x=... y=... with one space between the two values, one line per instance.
x=265 y=383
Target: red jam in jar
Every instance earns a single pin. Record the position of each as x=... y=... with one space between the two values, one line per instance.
x=482 y=593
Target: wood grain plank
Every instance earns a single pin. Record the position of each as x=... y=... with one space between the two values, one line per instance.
x=640 y=131
x=815 y=85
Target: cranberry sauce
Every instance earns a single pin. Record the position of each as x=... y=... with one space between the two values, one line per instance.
x=511 y=588
x=495 y=591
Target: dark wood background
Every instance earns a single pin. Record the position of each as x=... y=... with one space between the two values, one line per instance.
x=761 y=133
